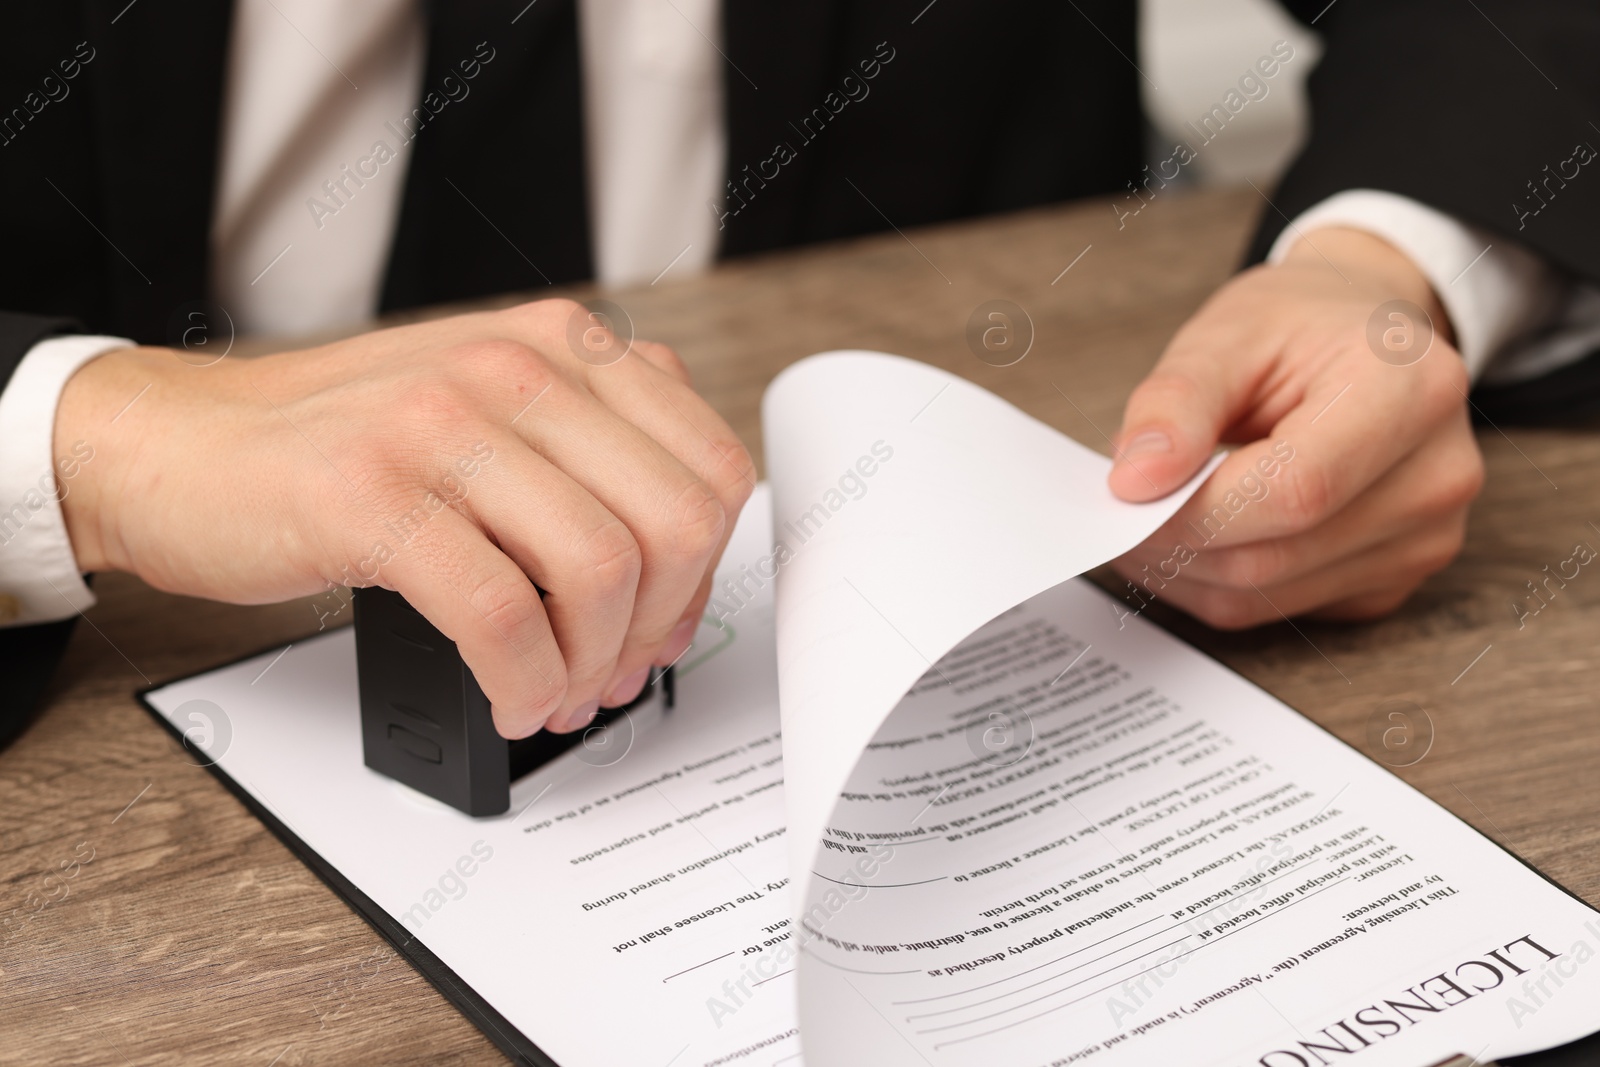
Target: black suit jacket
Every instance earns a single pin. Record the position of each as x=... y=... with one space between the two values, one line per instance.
x=108 y=176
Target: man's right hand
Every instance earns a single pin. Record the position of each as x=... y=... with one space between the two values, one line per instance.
x=458 y=461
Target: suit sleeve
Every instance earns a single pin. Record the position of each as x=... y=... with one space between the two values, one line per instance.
x=1480 y=110
x=29 y=655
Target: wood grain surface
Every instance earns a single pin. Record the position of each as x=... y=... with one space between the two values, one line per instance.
x=150 y=919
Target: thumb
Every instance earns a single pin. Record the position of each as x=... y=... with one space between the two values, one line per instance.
x=1172 y=424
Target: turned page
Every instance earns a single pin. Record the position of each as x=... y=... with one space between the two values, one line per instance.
x=909 y=507
x=1026 y=827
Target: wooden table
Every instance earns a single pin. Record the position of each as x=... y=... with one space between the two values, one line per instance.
x=192 y=935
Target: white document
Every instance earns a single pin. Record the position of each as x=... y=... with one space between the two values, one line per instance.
x=1026 y=828
x=1087 y=842
x=621 y=890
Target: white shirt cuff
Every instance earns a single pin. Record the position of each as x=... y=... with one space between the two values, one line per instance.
x=39 y=578
x=1494 y=290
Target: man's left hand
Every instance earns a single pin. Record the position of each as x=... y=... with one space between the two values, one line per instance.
x=1356 y=461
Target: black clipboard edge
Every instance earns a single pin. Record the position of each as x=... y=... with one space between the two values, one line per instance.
x=496 y=1027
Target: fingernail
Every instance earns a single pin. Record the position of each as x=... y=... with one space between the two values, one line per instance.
x=677 y=641
x=518 y=733
x=1147 y=443
x=628 y=688
x=577 y=718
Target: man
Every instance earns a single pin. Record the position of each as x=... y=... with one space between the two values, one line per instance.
x=301 y=165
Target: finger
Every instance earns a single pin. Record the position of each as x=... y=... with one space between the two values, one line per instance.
x=580 y=339
x=663 y=359
x=1176 y=416
x=576 y=550
x=480 y=599
x=682 y=637
x=649 y=392
x=674 y=415
x=1437 y=480
x=1339 y=440
x=678 y=521
x=1391 y=569
x=1363 y=608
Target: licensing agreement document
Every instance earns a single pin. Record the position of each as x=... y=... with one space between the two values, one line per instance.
x=925 y=799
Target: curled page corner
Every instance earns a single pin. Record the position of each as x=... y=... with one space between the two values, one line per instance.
x=910 y=507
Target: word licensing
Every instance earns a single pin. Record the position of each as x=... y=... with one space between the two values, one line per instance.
x=810 y=128
x=1412 y=1006
x=1252 y=86
x=367 y=167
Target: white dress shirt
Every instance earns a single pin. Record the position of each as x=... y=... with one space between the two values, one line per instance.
x=312 y=86
x=1514 y=317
